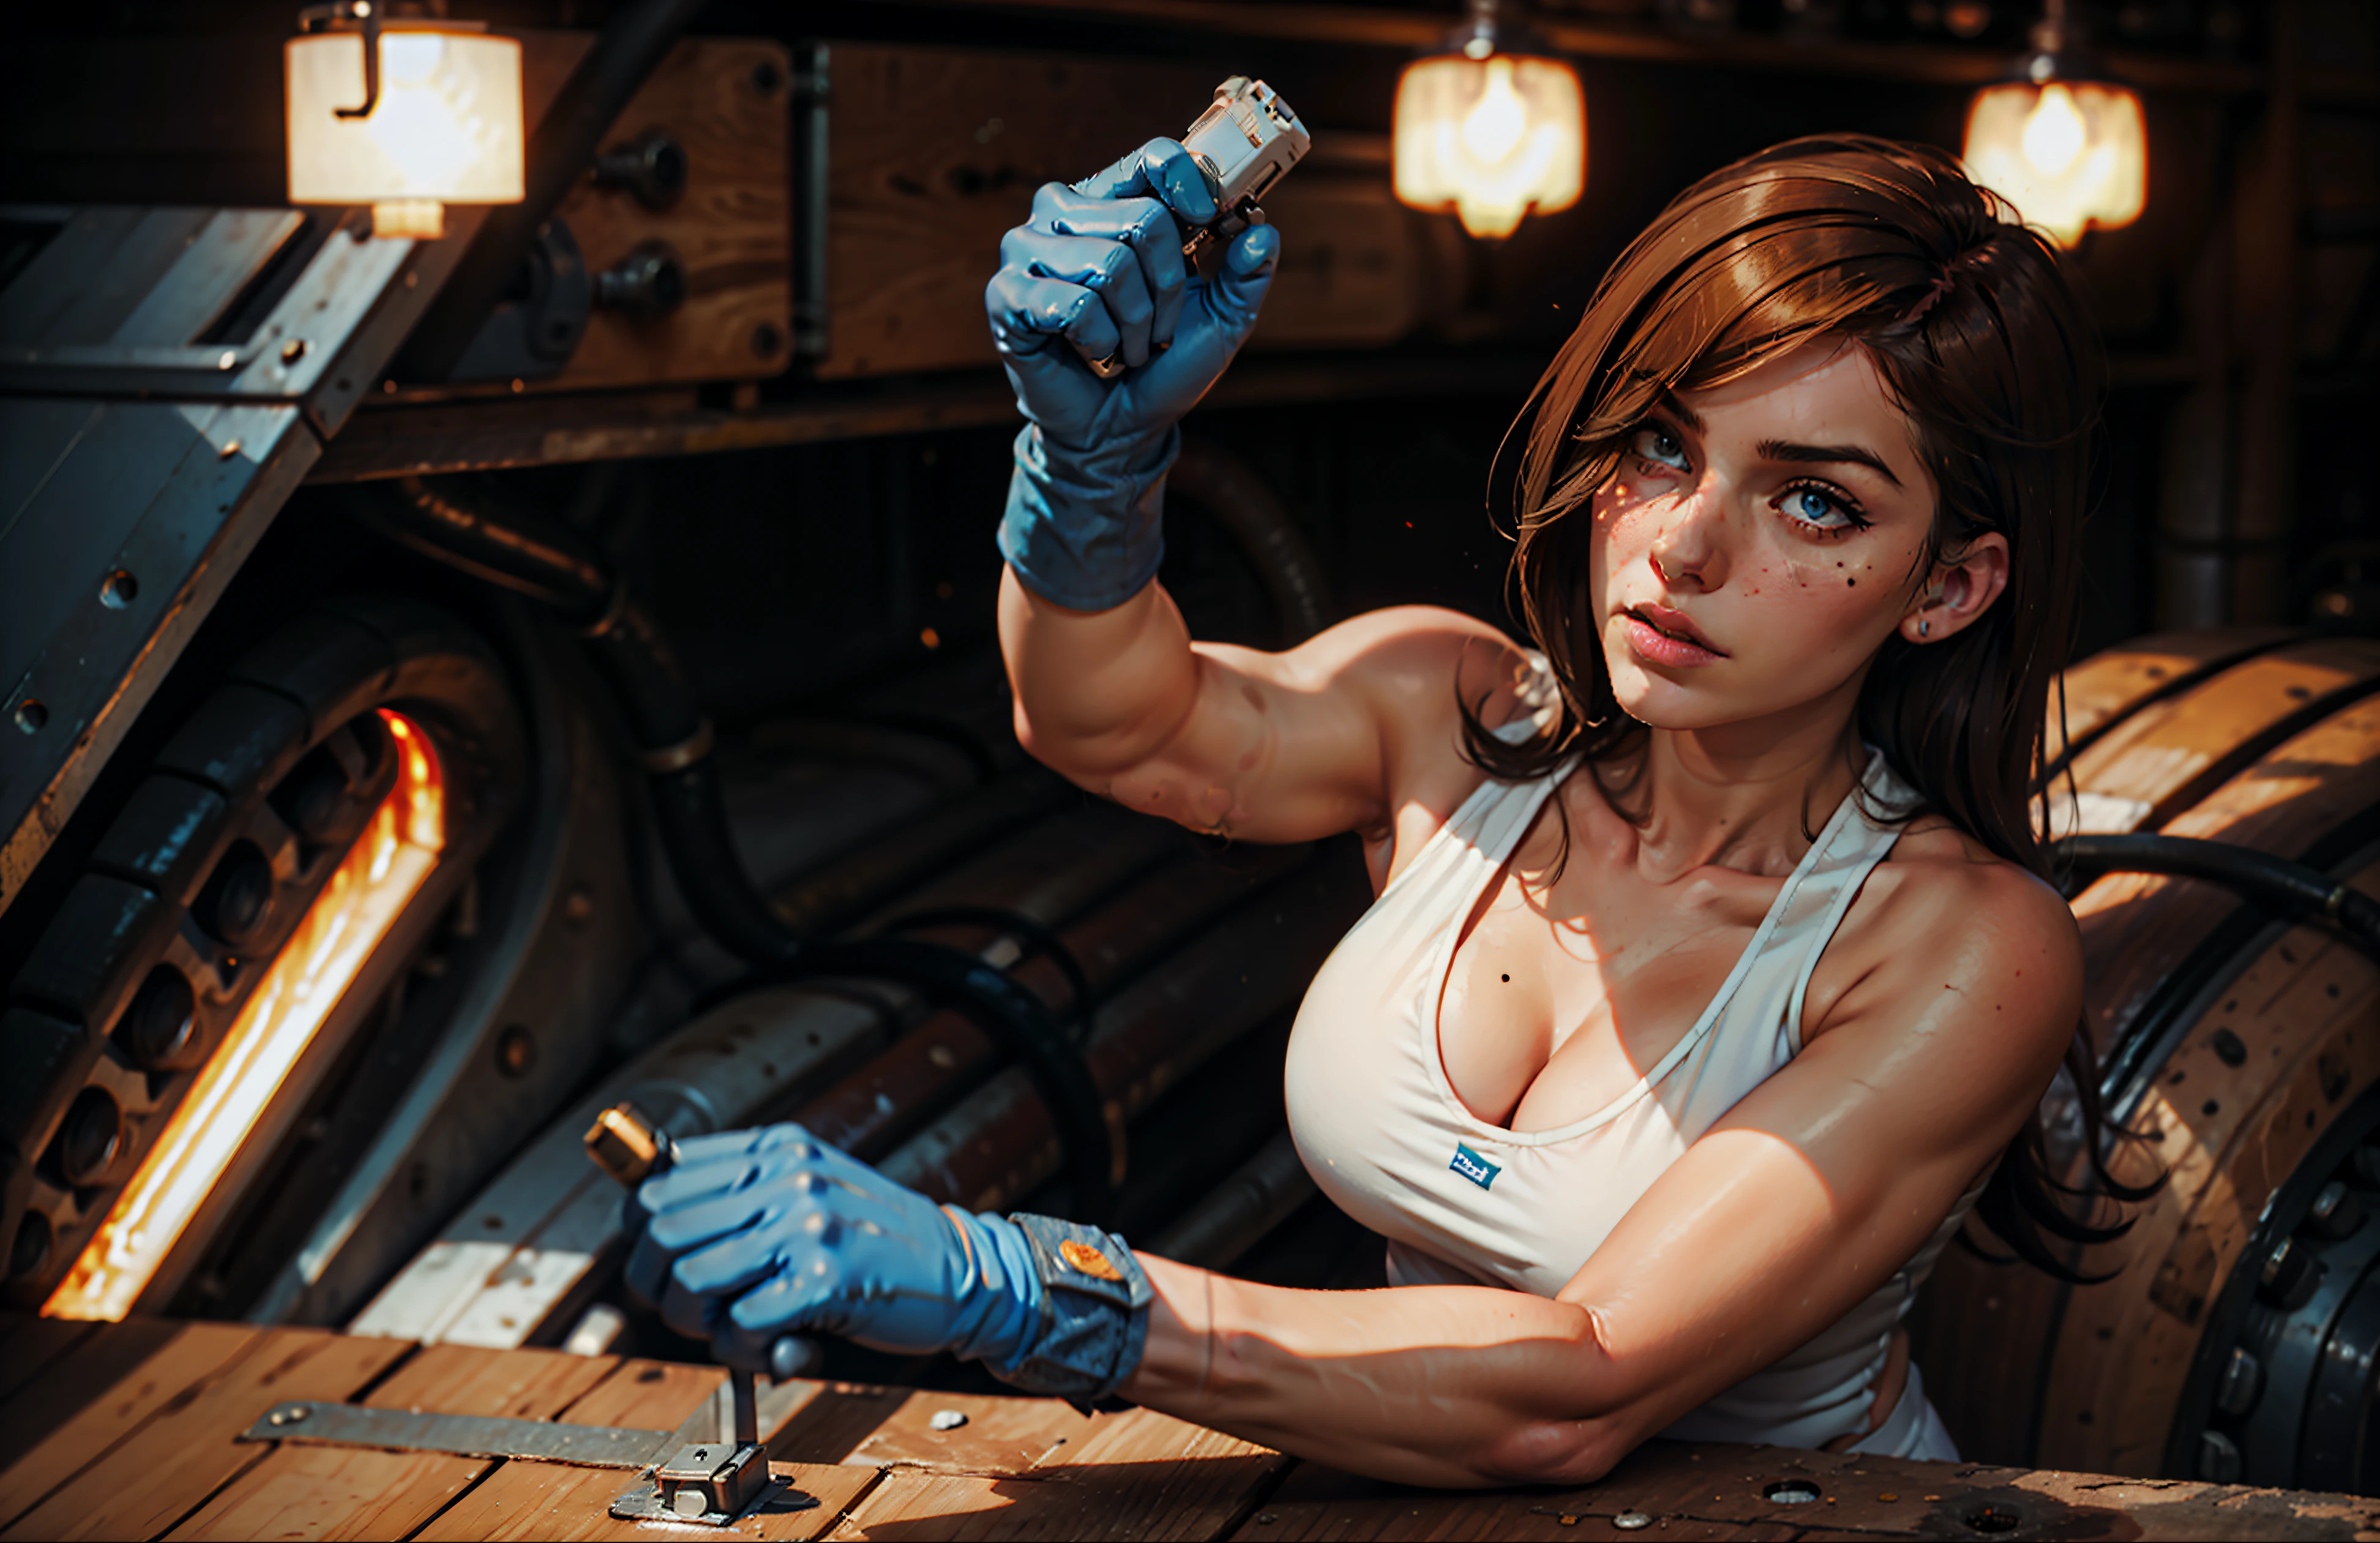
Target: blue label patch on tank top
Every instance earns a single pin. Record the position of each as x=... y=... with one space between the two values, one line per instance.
x=1472 y=1166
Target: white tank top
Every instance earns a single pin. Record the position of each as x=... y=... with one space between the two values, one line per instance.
x=1464 y=1202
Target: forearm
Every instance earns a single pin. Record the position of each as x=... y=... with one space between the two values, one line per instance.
x=1097 y=692
x=1449 y=1386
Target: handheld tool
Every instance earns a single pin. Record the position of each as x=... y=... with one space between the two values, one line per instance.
x=709 y=1482
x=1246 y=141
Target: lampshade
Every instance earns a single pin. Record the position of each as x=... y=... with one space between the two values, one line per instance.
x=2061 y=141
x=1489 y=133
x=443 y=125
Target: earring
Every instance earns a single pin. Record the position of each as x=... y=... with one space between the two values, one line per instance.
x=1923 y=627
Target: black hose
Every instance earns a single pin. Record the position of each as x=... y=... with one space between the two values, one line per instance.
x=2292 y=889
x=1237 y=497
x=467 y=529
x=631 y=46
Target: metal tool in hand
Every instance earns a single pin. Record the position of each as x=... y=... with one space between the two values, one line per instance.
x=1246 y=141
x=710 y=1482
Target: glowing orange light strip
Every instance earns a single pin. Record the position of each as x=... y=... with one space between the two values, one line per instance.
x=374 y=882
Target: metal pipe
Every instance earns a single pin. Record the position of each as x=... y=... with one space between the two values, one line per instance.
x=563 y=146
x=1000 y=1141
x=1261 y=1195
x=913 y=1079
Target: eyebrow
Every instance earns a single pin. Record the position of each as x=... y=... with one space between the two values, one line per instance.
x=1780 y=450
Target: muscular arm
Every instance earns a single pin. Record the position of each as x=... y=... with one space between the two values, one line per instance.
x=1334 y=734
x=1812 y=1192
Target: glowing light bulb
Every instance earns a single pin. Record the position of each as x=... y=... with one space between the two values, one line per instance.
x=2069 y=155
x=2054 y=130
x=1492 y=128
x=1490 y=138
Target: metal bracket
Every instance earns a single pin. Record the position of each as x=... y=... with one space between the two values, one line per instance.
x=712 y=1484
x=356 y=1424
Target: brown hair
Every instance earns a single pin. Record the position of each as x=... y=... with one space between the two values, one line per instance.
x=1981 y=339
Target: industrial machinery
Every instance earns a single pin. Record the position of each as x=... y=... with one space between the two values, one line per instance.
x=457 y=684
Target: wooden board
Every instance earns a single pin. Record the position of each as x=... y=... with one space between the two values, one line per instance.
x=724 y=101
x=935 y=153
x=1035 y=1469
x=2106 y=688
x=1690 y=1491
x=186 y=1448
x=2163 y=758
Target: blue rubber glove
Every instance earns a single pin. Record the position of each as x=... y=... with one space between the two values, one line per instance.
x=1100 y=265
x=754 y=1234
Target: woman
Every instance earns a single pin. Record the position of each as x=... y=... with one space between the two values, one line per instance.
x=1712 y=979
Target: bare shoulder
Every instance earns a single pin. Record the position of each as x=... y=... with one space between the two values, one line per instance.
x=1403 y=647
x=1974 y=947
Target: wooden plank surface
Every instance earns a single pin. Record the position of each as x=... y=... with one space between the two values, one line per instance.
x=1739 y=1492
x=2102 y=689
x=1030 y=1469
x=28 y=1346
x=302 y=1491
x=187 y=1446
x=89 y=1401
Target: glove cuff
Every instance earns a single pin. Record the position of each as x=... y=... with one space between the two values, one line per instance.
x=1084 y=528
x=1094 y=1313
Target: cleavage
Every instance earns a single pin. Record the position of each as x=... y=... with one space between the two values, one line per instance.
x=1559 y=998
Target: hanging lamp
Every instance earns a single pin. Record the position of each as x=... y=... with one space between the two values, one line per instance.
x=2061 y=139
x=1492 y=127
x=407 y=115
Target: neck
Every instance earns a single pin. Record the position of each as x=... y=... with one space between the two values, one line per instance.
x=1739 y=795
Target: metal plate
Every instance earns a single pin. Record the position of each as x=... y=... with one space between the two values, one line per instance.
x=355 y=1424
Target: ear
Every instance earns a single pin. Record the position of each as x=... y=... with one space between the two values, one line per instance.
x=1958 y=592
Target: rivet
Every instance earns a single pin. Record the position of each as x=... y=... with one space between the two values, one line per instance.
x=948 y=1420
x=292 y=350
x=1631 y=1521
x=230 y=448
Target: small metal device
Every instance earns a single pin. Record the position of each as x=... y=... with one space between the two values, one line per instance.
x=1245 y=141
x=711 y=1482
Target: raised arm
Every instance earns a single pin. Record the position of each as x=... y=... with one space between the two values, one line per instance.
x=1811 y=1193
x=1109 y=689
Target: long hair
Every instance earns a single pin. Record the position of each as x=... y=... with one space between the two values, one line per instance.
x=1981 y=339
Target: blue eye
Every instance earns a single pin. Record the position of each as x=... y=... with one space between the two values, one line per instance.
x=1661 y=447
x=1819 y=510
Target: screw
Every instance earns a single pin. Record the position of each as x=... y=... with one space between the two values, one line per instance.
x=2242 y=1383
x=292 y=350
x=2336 y=1212
x=2218 y=1458
x=118 y=590
x=30 y=716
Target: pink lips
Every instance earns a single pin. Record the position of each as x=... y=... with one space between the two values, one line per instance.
x=1661 y=636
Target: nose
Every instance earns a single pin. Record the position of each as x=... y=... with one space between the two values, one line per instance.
x=1689 y=552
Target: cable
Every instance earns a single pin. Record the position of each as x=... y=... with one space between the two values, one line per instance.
x=2276 y=883
x=556 y=565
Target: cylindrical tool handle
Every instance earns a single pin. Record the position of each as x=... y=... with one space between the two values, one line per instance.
x=625 y=1143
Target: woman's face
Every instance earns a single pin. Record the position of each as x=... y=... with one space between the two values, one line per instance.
x=1761 y=540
